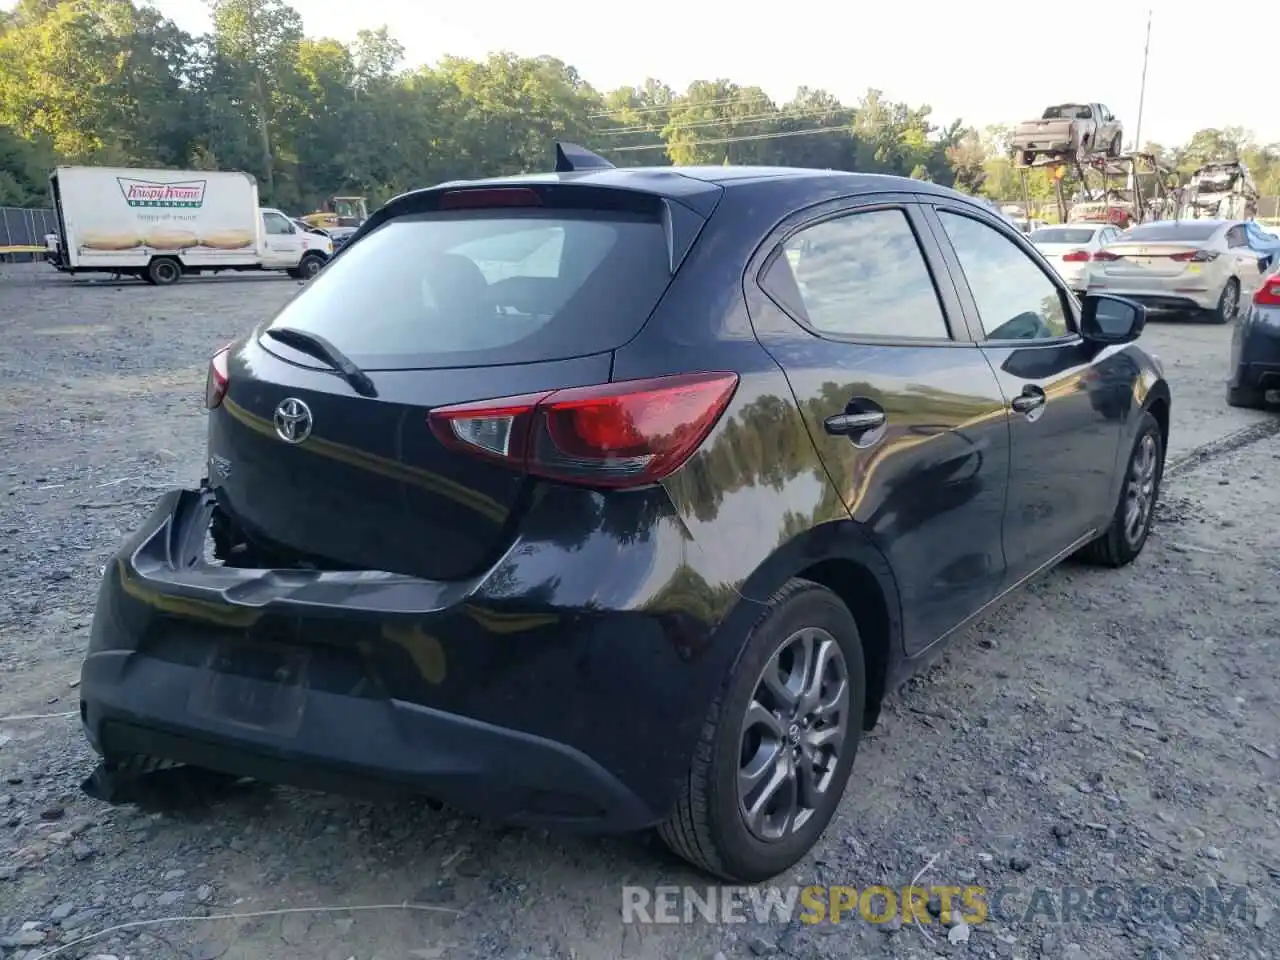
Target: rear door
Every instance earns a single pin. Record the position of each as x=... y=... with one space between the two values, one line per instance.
x=904 y=410
x=1107 y=125
x=1250 y=262
x=435 y=307
x=1066 y=397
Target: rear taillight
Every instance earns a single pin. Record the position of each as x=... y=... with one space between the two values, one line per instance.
x=1194 y=256
x=1268 y=295
x=1105 y=256
x=215 y=384
x=614 y=435
x=1076 y=256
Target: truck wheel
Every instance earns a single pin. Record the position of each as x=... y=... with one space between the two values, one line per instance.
x=308 y=268
x=164 y=271
x=1114 y=149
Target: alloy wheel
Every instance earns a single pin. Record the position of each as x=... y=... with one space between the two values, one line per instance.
x=793 y=733
x=1231 y=301
x=1140 y=489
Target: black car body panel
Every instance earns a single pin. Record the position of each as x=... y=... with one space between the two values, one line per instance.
x=370 y=467
x=545 y=651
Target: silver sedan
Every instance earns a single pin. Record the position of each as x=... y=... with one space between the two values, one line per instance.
x=1181 y=266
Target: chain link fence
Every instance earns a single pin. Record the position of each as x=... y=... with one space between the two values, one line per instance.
x=22 y=232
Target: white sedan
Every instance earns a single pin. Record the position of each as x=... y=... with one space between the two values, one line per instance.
x=1070 y=248
x=1181 y=266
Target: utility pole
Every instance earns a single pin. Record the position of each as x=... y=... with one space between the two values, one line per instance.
x=1142 y=92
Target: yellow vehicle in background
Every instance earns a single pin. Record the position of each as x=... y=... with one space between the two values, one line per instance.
x=339 y=212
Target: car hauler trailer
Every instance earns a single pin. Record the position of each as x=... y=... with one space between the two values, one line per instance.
x=160 y=225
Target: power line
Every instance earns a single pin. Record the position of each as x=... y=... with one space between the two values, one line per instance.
x=719 y=140
x=725 y=121
x=679 y=103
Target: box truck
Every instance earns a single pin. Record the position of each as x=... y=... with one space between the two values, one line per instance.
x=161 y=225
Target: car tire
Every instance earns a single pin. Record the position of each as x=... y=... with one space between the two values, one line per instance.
x=164 y=271
x=710 y=825
x=1114 y=148
x=1124 y=538
x=1246 y=398
x=1229 y=303
x=310 y=265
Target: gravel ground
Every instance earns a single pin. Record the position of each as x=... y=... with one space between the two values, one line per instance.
x=1103 y=728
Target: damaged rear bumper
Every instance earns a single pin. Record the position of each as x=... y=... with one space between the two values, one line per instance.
x=364 y=681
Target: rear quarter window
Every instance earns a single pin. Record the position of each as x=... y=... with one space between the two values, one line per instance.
x=485 y=288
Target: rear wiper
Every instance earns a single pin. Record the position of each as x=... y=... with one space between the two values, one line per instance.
x=320 y=348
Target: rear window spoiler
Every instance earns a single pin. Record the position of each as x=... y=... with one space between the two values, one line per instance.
x=682 y=215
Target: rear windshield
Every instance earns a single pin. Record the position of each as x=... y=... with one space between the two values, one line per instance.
x=480 y=288
x=1173 y=231
x=1067 y=111
x=1062 y=235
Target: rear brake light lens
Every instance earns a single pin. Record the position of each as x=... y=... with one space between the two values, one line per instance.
x=1076 y=256
x=614 y=435
x=215 y=383
x=1105 y=256
x=1268 y=295
x=496 y=197
x=1195 y=256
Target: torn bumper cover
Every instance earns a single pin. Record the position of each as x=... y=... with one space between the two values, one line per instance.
x=363 y=681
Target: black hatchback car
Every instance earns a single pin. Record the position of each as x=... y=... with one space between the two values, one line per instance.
x=616 y=499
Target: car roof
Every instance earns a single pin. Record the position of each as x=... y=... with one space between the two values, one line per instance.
x=677 y=181
x=1202 y=222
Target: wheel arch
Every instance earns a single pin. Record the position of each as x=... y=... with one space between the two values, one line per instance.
x=1158 y=402
x=840 y=556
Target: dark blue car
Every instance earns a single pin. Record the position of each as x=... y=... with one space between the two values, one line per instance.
x=1255 y=348
x=617 y=499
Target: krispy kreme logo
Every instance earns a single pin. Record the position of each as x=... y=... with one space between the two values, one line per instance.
x=185 y=194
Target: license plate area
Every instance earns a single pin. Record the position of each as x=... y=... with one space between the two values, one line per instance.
x=258 y=687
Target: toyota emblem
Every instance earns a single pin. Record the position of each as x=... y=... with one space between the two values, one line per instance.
x=293 y=420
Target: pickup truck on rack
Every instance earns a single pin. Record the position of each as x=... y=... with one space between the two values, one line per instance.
x=1068 y=131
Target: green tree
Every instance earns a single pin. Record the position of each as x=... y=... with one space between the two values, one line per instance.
x=258 y=41
x=114 y=82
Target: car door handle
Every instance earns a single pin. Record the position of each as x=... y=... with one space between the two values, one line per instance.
x=852 y=424
x=1029 y=401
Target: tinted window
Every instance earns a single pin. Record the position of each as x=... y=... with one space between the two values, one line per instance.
x=1015 y=299
x=1062 y=235
x=465 y=289
x=1171 y=231
x=1236 y=237
x=858 y=275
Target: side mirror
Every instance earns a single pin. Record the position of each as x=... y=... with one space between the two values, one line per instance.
x=1107 y=319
